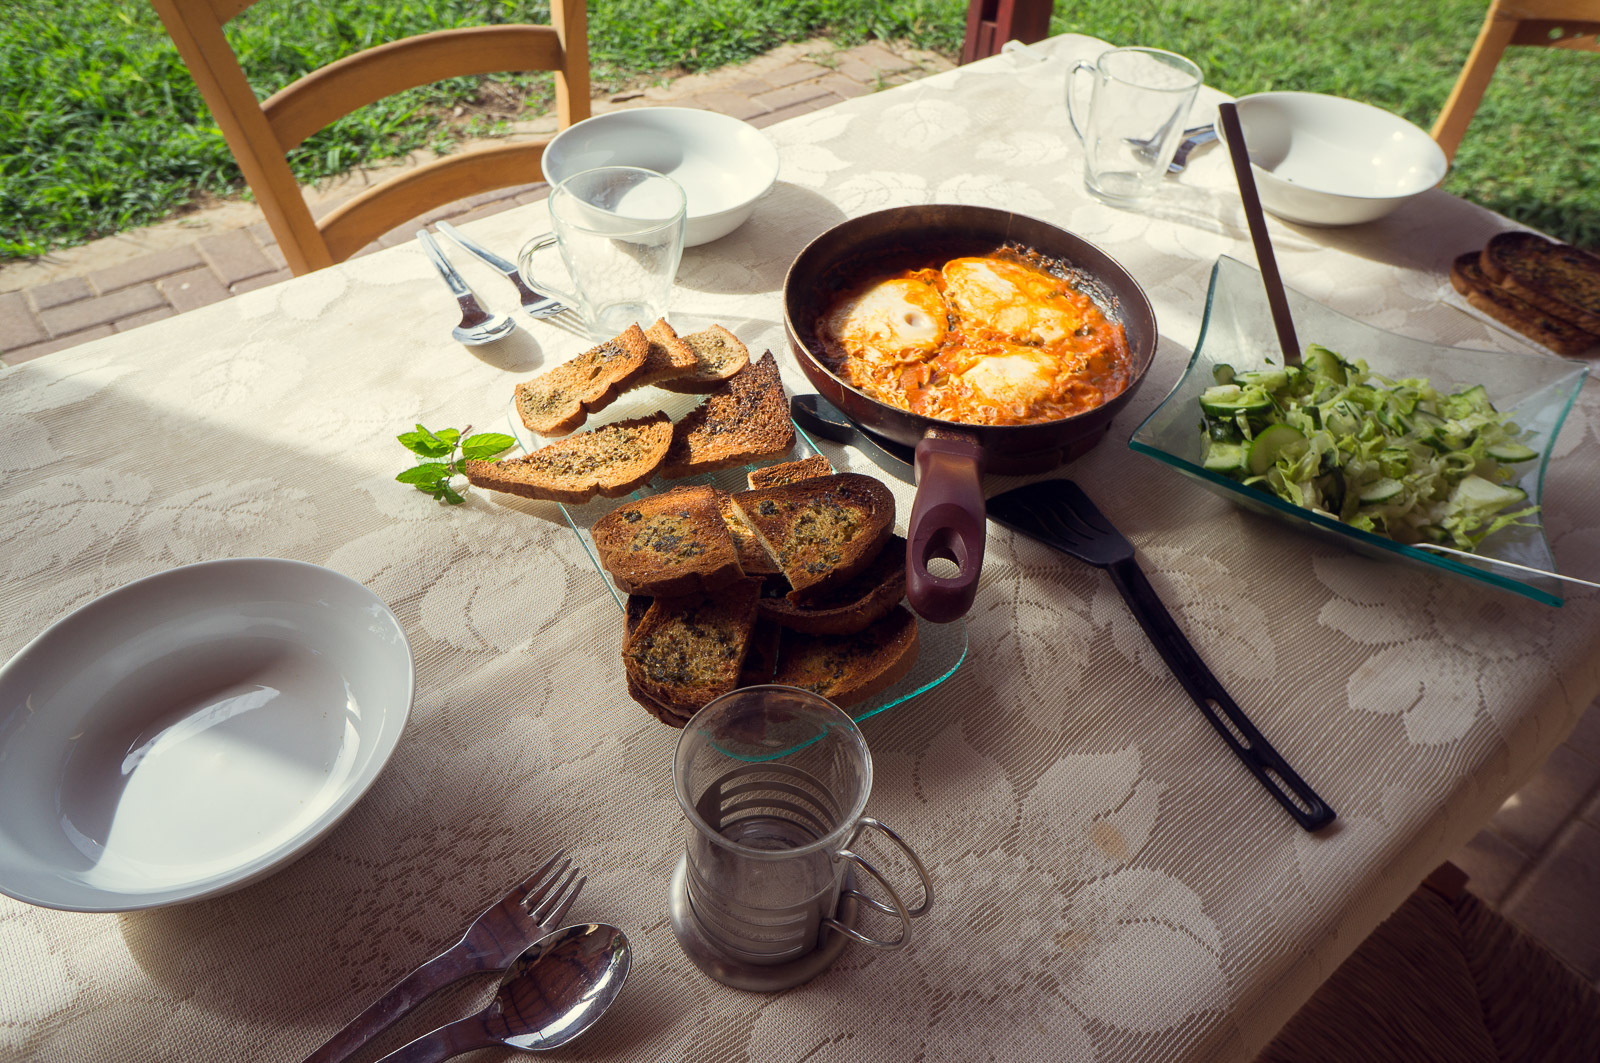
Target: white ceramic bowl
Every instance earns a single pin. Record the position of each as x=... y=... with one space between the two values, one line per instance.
x=1325 y=160
x=723 y=164
x=190 y=732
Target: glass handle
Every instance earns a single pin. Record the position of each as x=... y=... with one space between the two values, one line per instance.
x=1072 y=80
x=525 y=262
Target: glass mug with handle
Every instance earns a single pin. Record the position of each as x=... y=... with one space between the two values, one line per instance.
x=1139 y=101
x=774 y=782
x=619 y=230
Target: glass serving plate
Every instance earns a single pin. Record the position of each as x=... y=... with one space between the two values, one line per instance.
x=942 y=646
x=1536 y=390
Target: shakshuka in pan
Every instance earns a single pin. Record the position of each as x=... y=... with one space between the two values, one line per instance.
x=994 y=339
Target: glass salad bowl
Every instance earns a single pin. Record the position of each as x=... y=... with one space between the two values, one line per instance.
x=1536 y=391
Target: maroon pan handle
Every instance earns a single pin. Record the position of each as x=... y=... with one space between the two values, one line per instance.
x=947 y=521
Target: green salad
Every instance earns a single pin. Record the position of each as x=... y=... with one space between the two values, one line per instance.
x=1392 y=457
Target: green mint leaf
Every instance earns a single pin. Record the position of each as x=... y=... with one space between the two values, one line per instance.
x=450 y=495
x=486 y=445
x=424 y=443
x=426 y=473
x=449 y=435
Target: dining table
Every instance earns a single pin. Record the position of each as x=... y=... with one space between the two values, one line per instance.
x=1109 y=882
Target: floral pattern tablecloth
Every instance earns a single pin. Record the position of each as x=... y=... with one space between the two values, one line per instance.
x=1112 y=885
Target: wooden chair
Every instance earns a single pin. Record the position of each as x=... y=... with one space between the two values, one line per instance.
x=1549 y=23
x=260 y=133
x=991 y=23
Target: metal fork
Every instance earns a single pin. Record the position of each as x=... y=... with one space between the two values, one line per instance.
x=532 y=908
x=537 y=304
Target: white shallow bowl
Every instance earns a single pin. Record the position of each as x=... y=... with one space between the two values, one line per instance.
x=192 y=731
x=1325 y=160
x=723 y=164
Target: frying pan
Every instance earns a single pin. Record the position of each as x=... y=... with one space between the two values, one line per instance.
x=947 y=517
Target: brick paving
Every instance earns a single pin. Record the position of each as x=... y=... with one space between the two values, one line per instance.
x=119 y=283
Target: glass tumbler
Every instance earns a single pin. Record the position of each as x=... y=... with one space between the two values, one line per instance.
x=774 y=782
x=619 y=230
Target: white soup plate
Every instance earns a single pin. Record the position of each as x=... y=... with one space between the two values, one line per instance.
x=192 y=731
x=723 y=165
x=1325 y=160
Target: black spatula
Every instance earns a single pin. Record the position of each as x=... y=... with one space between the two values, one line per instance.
x=1059 y=514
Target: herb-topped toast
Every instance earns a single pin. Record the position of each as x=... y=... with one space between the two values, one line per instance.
x=688 y=650
x=746 y=417
x=823 y=530
x=1510 y=309
x=846 y=669
x=718 y=355
x=614 y=460
x=559 y=401
x=668 y=544
x=789 y=472
x=851 y=606
x=668 y=358
x=1561 y=280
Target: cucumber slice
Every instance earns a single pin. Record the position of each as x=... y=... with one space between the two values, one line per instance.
x=1266 y=379
x=1511 y=452
x=1273 y=441
x=1326 y=364
x=1477 y=493
x=1224 y=457
x=1382 y=490
x=1225 y=400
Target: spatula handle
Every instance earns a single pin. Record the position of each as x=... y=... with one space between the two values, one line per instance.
x=1247 y=743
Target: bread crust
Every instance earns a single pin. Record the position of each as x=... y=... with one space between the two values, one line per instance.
x=668 y=358
x=789 y=472
x=559 y=401
x=1561 y=280
x=849 y=608
x=614 y=460
x=822 y=531
x=673 y=543
x=847 y=669
x=718 y=355
x=1468 y=278
x=745 y=418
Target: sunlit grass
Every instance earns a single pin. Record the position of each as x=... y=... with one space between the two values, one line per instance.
x=101 y=128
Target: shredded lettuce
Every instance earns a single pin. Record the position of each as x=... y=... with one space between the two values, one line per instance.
x=1391 y=457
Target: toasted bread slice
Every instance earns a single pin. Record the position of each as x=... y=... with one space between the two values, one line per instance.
x=688 y=650
x=718 y=355
x=1560 y=336
x=747 y=417
x=633 y=614
x=753 y=557
x=789 y=472
x=852 y=606
x=847 y=669
x=614 y=460
x=1561 y=280
x=822 y=531
x=667 y=544
x=562 y=399
x=669 y=358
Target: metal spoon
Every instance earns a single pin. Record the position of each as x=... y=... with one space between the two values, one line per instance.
x=554 y=992
x=477 y=325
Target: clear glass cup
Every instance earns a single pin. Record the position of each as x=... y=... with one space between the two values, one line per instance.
x=1139 y=101
x=619 y=230
x=774 y=782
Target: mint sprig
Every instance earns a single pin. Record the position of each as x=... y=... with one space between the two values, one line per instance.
x=433 y=477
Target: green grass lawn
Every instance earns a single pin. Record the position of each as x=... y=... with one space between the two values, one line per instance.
x=101 y=128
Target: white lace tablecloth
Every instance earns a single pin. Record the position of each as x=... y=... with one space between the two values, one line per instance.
x=1112 y=885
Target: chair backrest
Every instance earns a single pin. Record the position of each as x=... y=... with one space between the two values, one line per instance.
x=261 y=133
x=1547 y=23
